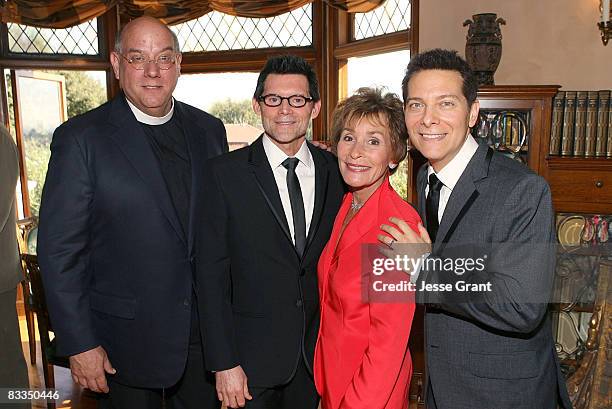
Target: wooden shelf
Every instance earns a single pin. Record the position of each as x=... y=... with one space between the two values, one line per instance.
x=561 y=162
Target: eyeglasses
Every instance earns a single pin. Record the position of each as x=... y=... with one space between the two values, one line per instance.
x=139 y=61
x=273 y=100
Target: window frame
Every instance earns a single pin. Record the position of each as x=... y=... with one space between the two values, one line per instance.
x=344 y=46
x=396 y=41
x=102 y=48
x=252 y=60
x=11 y=61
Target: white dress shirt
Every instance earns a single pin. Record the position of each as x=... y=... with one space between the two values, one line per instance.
x=305 y=171
x=450 y=174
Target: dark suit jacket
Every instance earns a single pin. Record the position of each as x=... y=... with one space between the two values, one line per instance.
x=494 y=350
x=116 y=264
x=259 y=302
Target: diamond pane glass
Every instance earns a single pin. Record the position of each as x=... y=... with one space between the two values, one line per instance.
x=79 y=40
x=392 y=16
x=218 y=31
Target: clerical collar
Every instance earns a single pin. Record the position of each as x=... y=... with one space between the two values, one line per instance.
x=148 y=119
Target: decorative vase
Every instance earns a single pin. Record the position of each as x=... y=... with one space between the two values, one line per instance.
x=483 y=48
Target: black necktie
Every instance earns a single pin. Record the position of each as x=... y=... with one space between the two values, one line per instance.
x=431 y=206
x=297 y=204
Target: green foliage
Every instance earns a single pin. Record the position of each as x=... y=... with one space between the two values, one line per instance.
x=399 y=180
x=37 y=159
x=83 y=93
x=235 y=112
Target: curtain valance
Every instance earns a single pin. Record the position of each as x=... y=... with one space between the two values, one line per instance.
x=67 y=13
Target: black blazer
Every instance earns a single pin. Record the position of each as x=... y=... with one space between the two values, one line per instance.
x=493 y=349
x=259 y=302
x=116 y=264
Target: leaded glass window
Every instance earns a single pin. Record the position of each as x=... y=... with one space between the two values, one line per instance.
x=217 y=31
x=81 y=39
x=392 y=16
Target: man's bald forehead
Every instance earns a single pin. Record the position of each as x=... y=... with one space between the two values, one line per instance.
x=143 y=22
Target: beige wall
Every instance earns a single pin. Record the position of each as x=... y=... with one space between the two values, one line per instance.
x=544 y=41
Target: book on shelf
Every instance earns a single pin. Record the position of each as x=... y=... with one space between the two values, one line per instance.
x=569 y=113
x=557 y=124
x=591 y=125
x=603 y=110
x=580 y=123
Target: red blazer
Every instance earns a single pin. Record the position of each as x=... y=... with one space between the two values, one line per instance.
x=362 y=358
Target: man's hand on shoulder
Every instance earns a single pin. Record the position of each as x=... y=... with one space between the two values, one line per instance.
x=232 y=388
x=408 y=243
x=89 y=369
x=324 y=146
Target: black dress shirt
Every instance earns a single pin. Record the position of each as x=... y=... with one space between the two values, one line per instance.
x=170 y=148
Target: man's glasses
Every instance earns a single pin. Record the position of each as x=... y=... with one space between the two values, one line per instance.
x=273 y=100
x=139 y=61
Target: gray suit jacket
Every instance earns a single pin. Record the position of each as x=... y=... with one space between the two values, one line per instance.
x=10 y=274
x=493 y=349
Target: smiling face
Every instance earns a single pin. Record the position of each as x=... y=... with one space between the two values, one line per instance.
x=437 y=115
x=285 y=125
x=364 y=155
x=150 y=89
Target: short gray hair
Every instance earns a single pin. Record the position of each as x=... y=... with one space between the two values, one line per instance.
x=176 y=47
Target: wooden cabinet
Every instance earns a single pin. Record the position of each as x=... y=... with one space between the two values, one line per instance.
x=580 y=185
x=534 y=104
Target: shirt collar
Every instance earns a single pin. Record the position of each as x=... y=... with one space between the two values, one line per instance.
x=450 y=174
x=276 y=156
x=148 y=119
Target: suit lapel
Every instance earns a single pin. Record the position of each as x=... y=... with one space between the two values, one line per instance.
x=329 y=253
x=264 y=177
x=363 y=221
x=421 y=184
x=133 y=142
x=321 y=180
x=464 y=193
x=194 y=138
